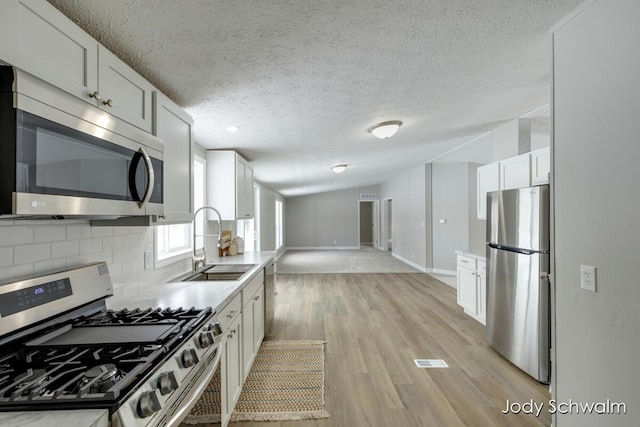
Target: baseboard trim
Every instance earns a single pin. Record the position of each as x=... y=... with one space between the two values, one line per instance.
x=444 y=272
x=321 y=248
x=411 y=263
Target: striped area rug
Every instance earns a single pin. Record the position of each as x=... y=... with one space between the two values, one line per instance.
x=286 y=382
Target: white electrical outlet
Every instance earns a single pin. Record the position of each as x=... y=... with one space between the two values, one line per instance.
x=588 y=278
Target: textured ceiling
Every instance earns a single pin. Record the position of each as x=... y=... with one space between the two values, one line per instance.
x=304 y=79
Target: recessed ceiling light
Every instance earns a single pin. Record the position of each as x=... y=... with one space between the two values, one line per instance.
x=385 y=130
x=338 y=168
x=233 y=129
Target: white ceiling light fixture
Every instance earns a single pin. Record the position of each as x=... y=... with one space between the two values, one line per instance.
x=233 y=129
x=338 y=168
x=385 y=130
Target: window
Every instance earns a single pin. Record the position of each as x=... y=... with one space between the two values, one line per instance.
x=279 y=224
x=176 y=239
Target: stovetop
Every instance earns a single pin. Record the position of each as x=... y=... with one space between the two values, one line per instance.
x=95 y=361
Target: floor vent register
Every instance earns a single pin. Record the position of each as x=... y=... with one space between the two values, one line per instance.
x=430 y=363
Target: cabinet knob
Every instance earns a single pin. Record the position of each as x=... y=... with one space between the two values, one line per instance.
x=256 y=298
x=95 y=94
x=109 y=103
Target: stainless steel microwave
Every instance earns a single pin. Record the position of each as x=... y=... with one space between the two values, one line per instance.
x=61 y=157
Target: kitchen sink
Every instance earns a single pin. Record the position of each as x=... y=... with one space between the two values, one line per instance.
x=221 y=272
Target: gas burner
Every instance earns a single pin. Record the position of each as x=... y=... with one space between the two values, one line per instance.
x=30 y=380
x=100 y=378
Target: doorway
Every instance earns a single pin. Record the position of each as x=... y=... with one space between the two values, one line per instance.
x=368 y=224
x=387 y=225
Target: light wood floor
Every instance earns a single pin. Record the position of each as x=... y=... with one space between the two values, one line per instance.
x=375 y=325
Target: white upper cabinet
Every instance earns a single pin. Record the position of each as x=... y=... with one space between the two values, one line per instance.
x=520 y=171
x=488 y=180
x=39 y=39
x=229 y=185
x=515 y=172
x=175 y=127
x=124 y=93
x=540 y=166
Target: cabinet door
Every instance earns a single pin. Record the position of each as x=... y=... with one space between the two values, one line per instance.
x=231 y=367
x=488 y=180
x=240 y=188
x=124 y=92
x=175 y=127
x=248 y=192
x=540 y=166
x=258 y=320
x=37 y=38
x=482 y=292
x=515 y=172
x=467 y=296
x=248 y=354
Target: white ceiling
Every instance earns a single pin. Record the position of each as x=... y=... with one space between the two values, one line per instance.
x=304 y=79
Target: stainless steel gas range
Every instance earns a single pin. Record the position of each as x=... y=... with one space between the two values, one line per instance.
x=61 y=349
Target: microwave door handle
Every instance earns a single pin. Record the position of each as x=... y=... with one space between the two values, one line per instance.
x=150 y=178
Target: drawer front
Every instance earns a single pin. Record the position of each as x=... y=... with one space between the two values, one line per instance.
x=230 y=312
x=252 y=287
x=482 y=267
x=466 y=262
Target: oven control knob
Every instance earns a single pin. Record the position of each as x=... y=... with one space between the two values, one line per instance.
x=205 y=339
x=167 y=382
x=215 y=328
x=148 y=404
x=189 y=357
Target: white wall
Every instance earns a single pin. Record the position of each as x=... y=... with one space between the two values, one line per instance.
x=324 y=220
x=596 y=102
x=409 y=193
x=267 y=225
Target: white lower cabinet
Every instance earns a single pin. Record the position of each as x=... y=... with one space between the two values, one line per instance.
x=242 y=322
x=472 y=287
x=231 y=369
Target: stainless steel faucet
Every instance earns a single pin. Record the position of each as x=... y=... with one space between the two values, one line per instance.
x=198 y=261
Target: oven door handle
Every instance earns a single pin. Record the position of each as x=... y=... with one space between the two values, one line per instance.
x=150 y=178
x=195 y=392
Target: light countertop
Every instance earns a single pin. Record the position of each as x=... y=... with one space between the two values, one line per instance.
x=199 y=294
x=469 y=254
x=75 y=418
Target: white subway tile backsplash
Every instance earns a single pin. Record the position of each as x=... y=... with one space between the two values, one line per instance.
x=91 y=246
x=6 y=257
x=78 y=231
x=17 y=272
x=111 y=243
x=101 y=231
x=102 y=257
x=50 y=233
x=65 y=249
x=51 y=266
x=32 y=253
x=16 y=235
x=41 y=247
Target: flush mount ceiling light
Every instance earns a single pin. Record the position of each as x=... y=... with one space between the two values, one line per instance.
x=233 y=129
x=338 y=168
x=385 y=130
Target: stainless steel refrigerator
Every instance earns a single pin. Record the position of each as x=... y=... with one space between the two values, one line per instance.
x=518 y=314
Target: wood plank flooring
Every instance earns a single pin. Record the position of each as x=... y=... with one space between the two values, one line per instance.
x=375 y=325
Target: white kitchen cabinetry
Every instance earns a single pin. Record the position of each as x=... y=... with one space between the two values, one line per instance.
x=520 y=171
x=231 y=368
x=488 y=180
x=252 y=321
x=175 y=127
x=39 y=39
x=515 y=172
x=229 y=185
x=540 y=166
x=471 y=274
